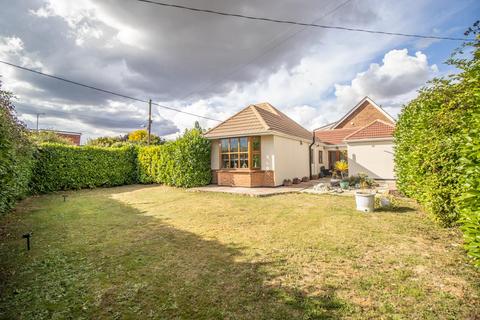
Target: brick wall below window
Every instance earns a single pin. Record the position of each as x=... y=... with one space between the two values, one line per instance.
x=247 y=178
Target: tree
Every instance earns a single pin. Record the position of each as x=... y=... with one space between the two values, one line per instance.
x=197 y=126
x=108 y=141
x=138 y=135
x=39 y=137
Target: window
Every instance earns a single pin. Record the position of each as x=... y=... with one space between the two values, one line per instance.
x=320 y=156
x=240 y=153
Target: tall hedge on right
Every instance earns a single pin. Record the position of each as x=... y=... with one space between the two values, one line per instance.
x=469 y=201
x=184 y=162
x=437 y=147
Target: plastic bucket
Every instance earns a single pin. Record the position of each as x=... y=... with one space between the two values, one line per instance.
x=365 y=201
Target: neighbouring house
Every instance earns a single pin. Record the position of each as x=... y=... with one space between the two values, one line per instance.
x=261 y=146
x=74 y=137
x=363 y=137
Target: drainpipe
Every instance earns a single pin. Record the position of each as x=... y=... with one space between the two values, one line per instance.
x=310 y=153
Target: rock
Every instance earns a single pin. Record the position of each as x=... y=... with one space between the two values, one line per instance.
x=321 y=187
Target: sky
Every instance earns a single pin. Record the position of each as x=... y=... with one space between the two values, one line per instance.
x=215 y=65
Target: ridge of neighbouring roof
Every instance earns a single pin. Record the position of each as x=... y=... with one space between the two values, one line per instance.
x=359 y=105
x=375 y=130
x=259 y=118
x=334 y=136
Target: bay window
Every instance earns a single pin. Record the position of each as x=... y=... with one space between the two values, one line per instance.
x=240 y=153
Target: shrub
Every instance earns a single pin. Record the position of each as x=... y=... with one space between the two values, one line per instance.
x=15 y=155
x=305 y=179
x=296 y=180
x=287 y=182
x=469 y=201
x=62 y=167
x=184 y=162
x=48 y=137
x=342 y=167
x=430 y=133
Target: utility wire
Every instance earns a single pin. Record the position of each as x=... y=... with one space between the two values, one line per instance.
x=103 y=90
x=269 y=48
x=314 y=25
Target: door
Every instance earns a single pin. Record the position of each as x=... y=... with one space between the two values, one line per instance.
x=334 y=156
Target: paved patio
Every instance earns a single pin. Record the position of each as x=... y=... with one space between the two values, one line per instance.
x=260 y=191
x=306 y=187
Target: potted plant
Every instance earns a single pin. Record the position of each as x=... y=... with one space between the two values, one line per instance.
x=342 y=167
x=365 y=200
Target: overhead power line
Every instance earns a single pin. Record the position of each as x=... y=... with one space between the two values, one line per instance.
x=104 y=90
x=268 y=48
x=299 y=23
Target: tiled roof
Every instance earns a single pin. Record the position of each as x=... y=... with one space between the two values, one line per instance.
x=333 y=136
x=376 y=129
x=262 y=118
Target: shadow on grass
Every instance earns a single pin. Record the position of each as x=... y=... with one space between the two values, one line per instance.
x=400 y=209
x=112 y=261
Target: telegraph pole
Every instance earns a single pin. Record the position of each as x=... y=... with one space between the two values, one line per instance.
x=38 y=116
x=149 y=120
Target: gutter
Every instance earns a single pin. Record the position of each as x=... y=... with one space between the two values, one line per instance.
x=310 y=153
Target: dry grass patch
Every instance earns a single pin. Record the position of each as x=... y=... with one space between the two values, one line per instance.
x=160 y=252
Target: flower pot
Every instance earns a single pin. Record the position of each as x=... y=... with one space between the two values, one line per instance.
x=344 y=185
x=365 y=201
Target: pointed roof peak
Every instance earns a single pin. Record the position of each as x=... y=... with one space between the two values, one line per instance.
x=260 y=118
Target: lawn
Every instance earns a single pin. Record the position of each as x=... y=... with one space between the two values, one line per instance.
x=158 y=252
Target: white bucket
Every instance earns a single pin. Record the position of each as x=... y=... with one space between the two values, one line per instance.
x=365 y=201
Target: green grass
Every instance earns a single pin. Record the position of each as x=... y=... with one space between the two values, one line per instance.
x=158 y=252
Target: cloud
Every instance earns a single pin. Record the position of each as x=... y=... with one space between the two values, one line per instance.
x=203 y=64
x=399 y=75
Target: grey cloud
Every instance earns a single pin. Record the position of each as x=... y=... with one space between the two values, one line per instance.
x=184 y=52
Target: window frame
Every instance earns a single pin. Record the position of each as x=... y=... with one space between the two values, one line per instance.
x=320 y=156
x=238 y=154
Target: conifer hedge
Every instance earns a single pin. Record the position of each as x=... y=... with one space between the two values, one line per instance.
x=15 y=155
x=437 y=148
x=63 y=167
x=184 y=162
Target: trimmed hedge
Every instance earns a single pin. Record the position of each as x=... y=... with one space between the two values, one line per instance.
x=184 y=162
x=470 y=199
x=15 y=156
x=62 y=167
x=427 y=137
x=437 y=152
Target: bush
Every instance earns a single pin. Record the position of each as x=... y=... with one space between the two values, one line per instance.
x=48 y=137
x=15 y=155
x=428 y=137
x=62 y=167
x=182 y=163
x=469 y=201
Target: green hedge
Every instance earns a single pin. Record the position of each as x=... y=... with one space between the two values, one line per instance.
x=428 y=134
x=437 y=153
x=470 y=199
x=62 y=167
x=184 y=162
x=15 y=156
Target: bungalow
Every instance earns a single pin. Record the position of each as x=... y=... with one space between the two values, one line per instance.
x=261 y=146
x=363 y=137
